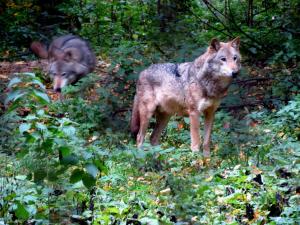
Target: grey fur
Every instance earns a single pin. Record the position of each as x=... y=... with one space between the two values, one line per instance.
x=70 y=58
x=188 y=88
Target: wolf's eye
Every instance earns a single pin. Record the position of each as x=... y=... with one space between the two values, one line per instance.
x=234 y=57
x=64 y=74
x=223 y=59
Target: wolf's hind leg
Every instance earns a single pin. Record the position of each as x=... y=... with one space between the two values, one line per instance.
x=146 y=112
x=162 y=120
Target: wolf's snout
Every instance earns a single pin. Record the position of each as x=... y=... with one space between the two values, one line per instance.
x=234 y=74
x=58 y=89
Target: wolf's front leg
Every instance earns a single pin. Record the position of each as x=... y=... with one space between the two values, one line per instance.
x=194 y=127
x=209 y=115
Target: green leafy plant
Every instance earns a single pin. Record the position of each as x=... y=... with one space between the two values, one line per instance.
x=48 y=146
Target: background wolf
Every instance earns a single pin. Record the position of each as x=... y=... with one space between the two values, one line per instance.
x=185 y=89
x=70 y=58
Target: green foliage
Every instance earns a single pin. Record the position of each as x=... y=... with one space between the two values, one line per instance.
x=24 y=90
x=48 y=147
x=17 y=22
x=289 y=118
x=58 y=155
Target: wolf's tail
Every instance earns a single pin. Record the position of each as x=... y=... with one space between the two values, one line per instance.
x=39 y=49
x=135 y=118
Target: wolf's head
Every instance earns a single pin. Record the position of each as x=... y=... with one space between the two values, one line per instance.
x=224 y=58
x=67 y=63
x=65 y=67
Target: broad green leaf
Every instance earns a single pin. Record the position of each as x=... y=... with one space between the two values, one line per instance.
x=186 y=120
x=202 y=189
x=64 y=151
x=14 y=95
x=69 y=130
x=92 y=170
x=21 y=212
x=101 y=166
x=112 y=210
x=69 y=160
x=30 y=198
x=24 y=127
x=14 y=81
x=40 y=112
x=41 y=126
x=88 y=180
x=39 y=84
x=42 y=97
x=168 y=150
x=47 y=145
x=14 y=105
x=30 y=138
x=147 y=220
x=29 y=74
x=76 y=176
x=30 y=117
x=32 y=209
x=21 y=177
x=22 y=153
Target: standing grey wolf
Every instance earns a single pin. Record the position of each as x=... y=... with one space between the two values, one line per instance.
x=186 y=89
x=70 y=58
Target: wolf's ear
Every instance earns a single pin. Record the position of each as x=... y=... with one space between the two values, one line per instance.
x=56 y=54
x=68 y=56
x=236 y=43
x=72 y=54
x=215 y=44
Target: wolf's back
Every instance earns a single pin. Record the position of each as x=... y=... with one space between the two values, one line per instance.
x=79 y=49
x=164 y=75
x=160 y=87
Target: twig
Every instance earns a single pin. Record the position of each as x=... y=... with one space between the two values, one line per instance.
x=207 y=24
x=211 y=8
x=259 y=45
x=253 y=79
x=232 y=107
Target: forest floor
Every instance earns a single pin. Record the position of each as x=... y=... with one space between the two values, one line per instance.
x=167 y=184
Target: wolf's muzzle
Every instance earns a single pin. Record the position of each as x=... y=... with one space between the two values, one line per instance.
x=57 y=90
x=234 y=74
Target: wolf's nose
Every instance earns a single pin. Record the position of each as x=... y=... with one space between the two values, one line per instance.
x=234 y=74
x=57 y=90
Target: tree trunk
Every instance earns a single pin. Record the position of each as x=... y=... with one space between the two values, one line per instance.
x=250 y=13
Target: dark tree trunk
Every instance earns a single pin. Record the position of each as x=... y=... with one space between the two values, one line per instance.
x=250 y=13
x=161 y=16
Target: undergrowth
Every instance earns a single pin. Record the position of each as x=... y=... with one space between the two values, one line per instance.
x=66 y=162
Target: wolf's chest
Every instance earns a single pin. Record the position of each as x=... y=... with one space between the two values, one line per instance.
x=203 y=104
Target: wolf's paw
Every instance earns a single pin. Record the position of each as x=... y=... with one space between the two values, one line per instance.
x=154 y=142
x=206 y=154
x=195 y=148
